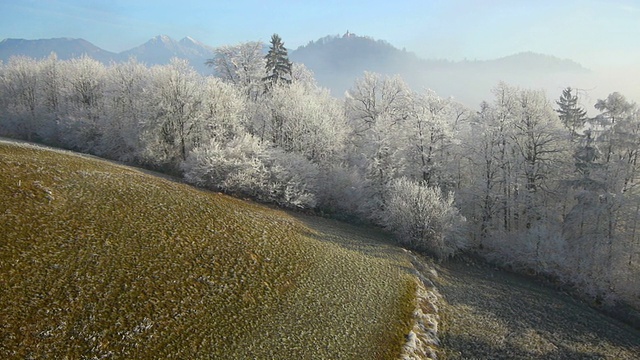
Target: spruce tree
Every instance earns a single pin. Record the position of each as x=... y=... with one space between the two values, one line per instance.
x=278 y=67
x=571 y=114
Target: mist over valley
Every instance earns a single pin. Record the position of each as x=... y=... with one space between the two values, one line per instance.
x=337 y=60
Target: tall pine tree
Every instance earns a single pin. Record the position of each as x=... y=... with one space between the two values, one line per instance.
x=278 y=67
x=571 y=114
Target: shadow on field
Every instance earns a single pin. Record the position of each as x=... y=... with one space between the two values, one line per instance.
x=498 y=315
x=484 y=350
x=493 y=314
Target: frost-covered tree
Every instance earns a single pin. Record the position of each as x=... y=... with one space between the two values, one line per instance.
x=428 y=131
x=485 y=148
x=127 y=109
x=51 y=93
x=614 y=108
x=516 y=157
x=540 y=146
x=175 y=126
x=85 y=81
x=605 y=217
x=223 y=110
x=19 y=81
x=241 y=65
x=244 y=166
x=83 y=92
x=423 y=217
x=376 y=106
x=490 y=150
x=374 y=96
x=307 y=121
x=235 y=167
x=303 y=75
x=51 y=83
x=293 y=180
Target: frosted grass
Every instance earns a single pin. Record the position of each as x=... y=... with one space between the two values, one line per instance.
x=103 y=261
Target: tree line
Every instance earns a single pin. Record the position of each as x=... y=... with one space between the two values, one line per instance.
x=525 y=181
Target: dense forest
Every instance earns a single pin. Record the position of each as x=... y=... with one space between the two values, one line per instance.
x=529 y=182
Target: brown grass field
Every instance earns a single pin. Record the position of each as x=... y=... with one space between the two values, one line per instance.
x=99 y=260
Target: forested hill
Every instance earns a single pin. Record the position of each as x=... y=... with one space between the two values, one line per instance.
x=338 y=60
x=351 y=53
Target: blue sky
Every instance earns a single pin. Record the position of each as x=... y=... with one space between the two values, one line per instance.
x=596 y=33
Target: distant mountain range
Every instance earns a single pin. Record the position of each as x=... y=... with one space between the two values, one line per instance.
x=65 y=48
x=338 y=60
x=161 y=49
x=156 y=51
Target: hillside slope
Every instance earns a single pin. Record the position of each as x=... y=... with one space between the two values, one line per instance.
x=488 y=313
x=100 y=260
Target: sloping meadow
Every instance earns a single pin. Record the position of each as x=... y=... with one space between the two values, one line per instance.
x=99 y=260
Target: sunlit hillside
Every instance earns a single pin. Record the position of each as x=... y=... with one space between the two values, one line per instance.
x=104 y=261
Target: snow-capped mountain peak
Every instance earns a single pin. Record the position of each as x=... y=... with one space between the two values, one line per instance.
x=189 y=39
x=161 y=48
x=162 y=39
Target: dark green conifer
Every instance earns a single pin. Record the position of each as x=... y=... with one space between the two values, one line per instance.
x=278 y=66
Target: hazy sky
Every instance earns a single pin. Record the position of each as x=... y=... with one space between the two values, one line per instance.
x=596 y=33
